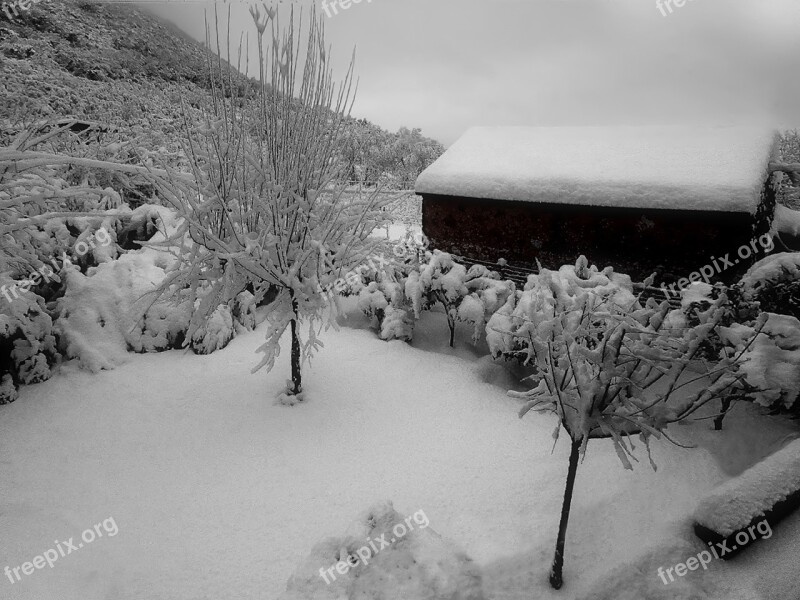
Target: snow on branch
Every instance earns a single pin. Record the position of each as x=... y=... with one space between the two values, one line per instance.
x=790 y=169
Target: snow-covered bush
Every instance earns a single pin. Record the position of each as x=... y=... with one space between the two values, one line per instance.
x=215 y=333
x=416 y=280
x=509 y=331
x=417 y=565
x=110 y=310
x=27 y=343
x=243 y=310
x=696 y=300
x=774 y=282
x=52 y=191
x=487 y=294
x=384 y=300
x=604 y=364
x=440 y=279
x=771 y=360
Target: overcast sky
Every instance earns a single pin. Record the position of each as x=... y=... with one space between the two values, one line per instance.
x=446 y=65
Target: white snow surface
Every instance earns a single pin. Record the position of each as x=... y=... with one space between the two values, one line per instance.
x=736 y=503
x=220 y=492
x=406 y=560
x=692 y=168
x=787 y=220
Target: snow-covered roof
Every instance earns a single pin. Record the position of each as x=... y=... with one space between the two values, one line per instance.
x=690 y=168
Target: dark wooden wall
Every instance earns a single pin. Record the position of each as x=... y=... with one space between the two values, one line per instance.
x=633 y=241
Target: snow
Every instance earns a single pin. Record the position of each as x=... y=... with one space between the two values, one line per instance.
x=772 y=362
x=736 y=503
x=787 y=221
x=389 y=557
x=215 y=333
x=698 y=292
x=775 y=268
x=220 y=493
x=693 y=168
x=106 y=311
x=545 y=293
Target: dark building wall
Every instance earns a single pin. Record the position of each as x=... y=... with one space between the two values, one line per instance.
x=633 y=241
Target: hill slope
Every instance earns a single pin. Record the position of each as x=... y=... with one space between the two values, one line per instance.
x=118 y=64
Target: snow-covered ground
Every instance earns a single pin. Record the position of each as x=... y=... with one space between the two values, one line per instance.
x=219 y=492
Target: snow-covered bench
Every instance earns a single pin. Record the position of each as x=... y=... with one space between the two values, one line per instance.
x=751 y=503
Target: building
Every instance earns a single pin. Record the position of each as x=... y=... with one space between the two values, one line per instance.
x=636 y=198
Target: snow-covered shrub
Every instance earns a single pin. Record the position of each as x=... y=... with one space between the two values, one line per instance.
x=243 y=310
x=771 y=360
x=110 y=310
x=145 y=223
x=696 y=300
x=40 y=180
x=397 y=292
x=59 y=241
x=372 y=300
x=215 y=333
x=440 y=279
x=8 y=390
x=27 y=343
x=385 y=301
x=774 y=282
x=509 y=330
x=604 y=364
x=397 y=324
x=487 y=294
x=418 y=565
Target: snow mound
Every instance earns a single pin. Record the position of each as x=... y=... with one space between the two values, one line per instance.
x=412 y=562
x=106 y=312
x=697 y=168
x=738 y=502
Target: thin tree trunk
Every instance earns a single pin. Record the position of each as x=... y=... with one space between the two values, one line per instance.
x=451 y=322
x=296 y=377
x=556 y=578
x=726 y=406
